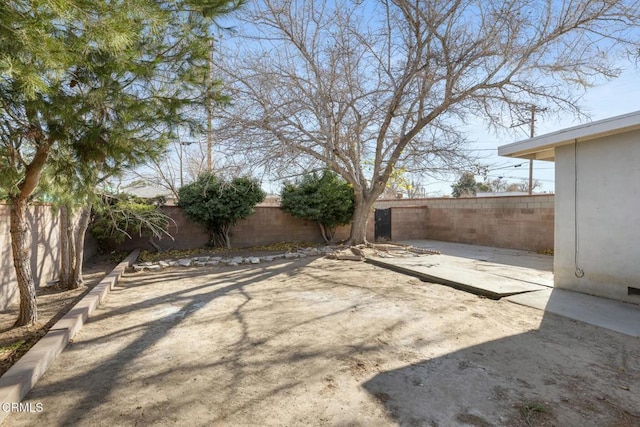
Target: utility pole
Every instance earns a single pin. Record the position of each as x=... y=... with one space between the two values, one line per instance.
x=181 y=156
x=533 y=124
x=209 y=95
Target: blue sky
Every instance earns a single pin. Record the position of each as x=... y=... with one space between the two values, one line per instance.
x=612 y=98
x=615 y=97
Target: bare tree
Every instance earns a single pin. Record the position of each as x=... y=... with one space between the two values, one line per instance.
x=523 y=186
x=182 y=163
x=361 y=86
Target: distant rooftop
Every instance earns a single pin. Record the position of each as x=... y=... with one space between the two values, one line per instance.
x=147 y=190
x=501 y=193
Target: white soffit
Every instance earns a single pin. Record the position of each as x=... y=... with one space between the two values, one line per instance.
x=543 y=147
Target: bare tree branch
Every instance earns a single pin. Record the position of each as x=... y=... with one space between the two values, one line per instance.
x=364 y=87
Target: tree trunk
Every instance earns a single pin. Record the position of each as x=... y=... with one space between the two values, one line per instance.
x=324 y=233
x=21 y=250
x=67 y=247
x=225 y=236
x=71 y=241
x=65 y=259
x=221 y=237
x=364 y=201
x=360 y=219
x=81 y=232
x=359 y=225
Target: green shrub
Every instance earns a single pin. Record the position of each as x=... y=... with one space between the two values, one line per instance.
x=326 y=199
x=220 y=204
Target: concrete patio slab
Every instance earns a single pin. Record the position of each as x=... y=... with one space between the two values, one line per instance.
x=471 y=268
x=613 y=315
x=489 y=254
x=482 y=270
x=457 y=273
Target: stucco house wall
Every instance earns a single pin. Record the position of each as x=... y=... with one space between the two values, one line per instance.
x=597 y=225
x=597 y=204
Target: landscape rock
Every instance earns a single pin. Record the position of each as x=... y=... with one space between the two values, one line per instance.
x=207 y=261
x=309 y=251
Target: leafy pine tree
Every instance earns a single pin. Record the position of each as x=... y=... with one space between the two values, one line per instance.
x=96 y=85
x=466 y=186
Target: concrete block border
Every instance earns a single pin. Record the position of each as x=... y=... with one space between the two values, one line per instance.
x=24 y=374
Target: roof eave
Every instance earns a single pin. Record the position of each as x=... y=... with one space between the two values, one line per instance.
x=543 y=147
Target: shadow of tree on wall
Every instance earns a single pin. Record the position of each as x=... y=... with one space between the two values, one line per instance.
x=45 y=243
x=44 y=229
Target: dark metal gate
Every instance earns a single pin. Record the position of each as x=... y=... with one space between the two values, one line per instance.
x=382 y=229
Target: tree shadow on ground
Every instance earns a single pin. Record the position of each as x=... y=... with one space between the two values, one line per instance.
x=167 y=312
x=560 y=374
x=326 y=345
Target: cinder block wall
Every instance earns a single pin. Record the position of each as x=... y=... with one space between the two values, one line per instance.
x=45 y=250
x=268 y=225
x=408 y=222
x=516 y=222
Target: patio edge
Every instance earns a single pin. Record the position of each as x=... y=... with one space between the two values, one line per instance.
x=476 y=290
x=26 y=372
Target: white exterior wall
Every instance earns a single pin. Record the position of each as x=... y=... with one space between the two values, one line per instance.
x=604 y=213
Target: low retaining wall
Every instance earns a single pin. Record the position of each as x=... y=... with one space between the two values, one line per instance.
x=25 y=373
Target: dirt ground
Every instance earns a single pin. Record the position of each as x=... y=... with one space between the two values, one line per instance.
x=53 y=303
x=330 y=343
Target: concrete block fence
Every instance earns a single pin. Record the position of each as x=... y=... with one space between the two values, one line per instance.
x=515 y=222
